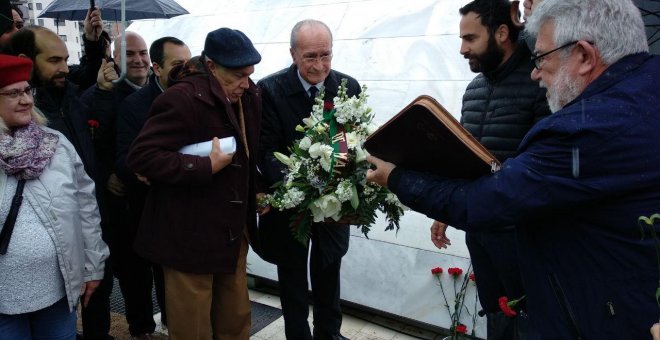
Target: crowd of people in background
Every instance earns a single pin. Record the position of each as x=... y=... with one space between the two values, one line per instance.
x=93 y=184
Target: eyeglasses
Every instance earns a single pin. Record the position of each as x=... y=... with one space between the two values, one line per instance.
x=13 y=94
x=538 y=59
x=324 y=58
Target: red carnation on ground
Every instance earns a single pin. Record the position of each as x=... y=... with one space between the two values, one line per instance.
x=461 y=329
x=436 y=271
x=455 y=271
x=472 y=277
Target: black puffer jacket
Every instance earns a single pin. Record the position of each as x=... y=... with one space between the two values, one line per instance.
x=501 y=106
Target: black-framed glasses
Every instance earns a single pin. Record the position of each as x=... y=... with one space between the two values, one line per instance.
x=13 y=94
x=538 y=59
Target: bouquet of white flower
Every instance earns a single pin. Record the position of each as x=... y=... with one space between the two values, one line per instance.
x=325 y=175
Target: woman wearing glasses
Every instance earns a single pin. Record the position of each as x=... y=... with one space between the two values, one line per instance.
x=51 y=252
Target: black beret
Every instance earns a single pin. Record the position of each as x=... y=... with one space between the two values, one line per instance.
x=230 y=48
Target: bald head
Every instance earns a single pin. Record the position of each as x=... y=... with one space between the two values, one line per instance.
x=311 y=50
x=137 y=58
x=47 y=51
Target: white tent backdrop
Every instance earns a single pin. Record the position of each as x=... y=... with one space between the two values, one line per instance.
x=400 y=50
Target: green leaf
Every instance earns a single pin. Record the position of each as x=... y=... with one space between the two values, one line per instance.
x=355 y=200
x=301 y=226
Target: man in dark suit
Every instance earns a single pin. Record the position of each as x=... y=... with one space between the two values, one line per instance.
x=136 y=274
x=288 y=97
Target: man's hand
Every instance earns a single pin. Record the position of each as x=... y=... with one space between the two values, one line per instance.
x=262 y=208
x=143 y=179
x=381 y=173
x=219 y=159
x=106 y=75
x=87 y=290
x=116 y=186
x=93 y=24
x=439 y=236
x=655 y=331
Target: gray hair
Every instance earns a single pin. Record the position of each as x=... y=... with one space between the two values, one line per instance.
x=310 y=22
x=615 y=27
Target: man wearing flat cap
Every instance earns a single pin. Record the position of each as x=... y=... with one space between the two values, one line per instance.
x=198 y=207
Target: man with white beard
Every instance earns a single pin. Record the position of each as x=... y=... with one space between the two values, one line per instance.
x=581 y=181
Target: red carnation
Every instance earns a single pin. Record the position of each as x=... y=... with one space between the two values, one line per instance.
x=471 y=277
x=505 y=306
x=436 y=271
x=327 y=106
x=93 y=123
x=461 y=329
x=455 y=271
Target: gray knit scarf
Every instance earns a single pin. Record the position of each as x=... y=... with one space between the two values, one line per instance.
x=27 y=152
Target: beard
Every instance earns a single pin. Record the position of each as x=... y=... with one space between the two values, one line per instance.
x=563 y=91
x=54 y=81
x=487 y=61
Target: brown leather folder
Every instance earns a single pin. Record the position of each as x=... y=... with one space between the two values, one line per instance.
x=425 y=137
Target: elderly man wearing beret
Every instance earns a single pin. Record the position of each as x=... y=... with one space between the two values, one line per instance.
x=198 y=207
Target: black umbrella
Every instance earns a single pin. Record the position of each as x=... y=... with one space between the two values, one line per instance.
x=111 y=9
x=650 y=10
x=115 y=10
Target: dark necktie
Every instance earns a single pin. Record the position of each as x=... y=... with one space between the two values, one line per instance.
x=312 y=92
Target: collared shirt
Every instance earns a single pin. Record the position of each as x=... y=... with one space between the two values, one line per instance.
x=158 y=84
x=307 y=85
x=134 y=85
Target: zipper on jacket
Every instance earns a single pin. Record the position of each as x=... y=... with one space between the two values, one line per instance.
x=565 y=307
x=610 y=308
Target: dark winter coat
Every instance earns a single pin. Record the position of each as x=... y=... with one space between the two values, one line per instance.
x=583 y=177
x=103 y=107
x=85 y=73
x=130 y=118
x=193 y=221
x=285 y=104
x=68 y=115
x=499 y=107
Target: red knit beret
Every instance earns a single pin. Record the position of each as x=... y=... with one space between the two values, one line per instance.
x=14 y=69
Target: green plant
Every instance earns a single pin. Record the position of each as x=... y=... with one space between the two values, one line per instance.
x=461 y=282
x=649 y=222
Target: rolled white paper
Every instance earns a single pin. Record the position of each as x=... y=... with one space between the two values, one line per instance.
x=203 y=149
